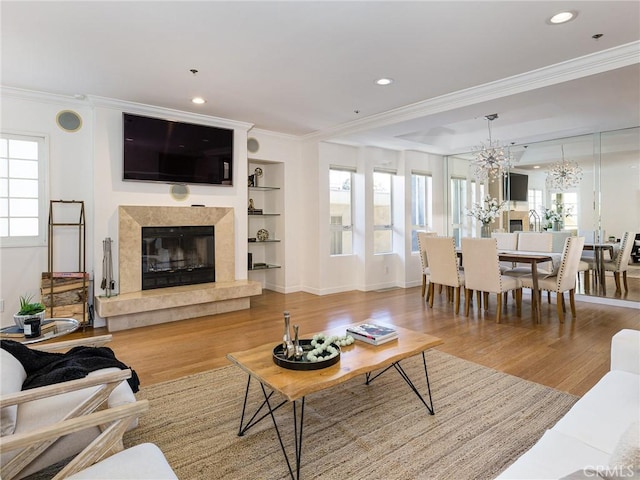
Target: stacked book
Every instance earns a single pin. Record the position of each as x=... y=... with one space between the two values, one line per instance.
x=372 y=333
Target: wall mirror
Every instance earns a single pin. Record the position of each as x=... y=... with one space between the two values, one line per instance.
x=602 y=205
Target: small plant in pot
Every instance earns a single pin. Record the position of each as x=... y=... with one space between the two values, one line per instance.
x=28 y=309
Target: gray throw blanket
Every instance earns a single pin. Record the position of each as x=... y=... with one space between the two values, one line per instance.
x=44 y=368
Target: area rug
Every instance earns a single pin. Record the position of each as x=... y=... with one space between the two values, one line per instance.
x=483 y=421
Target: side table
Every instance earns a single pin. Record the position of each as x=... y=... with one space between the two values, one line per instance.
x=62 y=326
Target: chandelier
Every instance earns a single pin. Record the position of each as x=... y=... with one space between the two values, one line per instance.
x=563 y=175
x=492 y=159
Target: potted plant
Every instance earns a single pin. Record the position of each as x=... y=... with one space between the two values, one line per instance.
x=486 y=213
x=28 y=309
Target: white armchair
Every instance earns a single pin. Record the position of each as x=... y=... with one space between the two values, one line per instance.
x=23 y=412
x=98 y=460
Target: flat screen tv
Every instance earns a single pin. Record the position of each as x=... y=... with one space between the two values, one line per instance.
x=157 y=150
x=518 y=187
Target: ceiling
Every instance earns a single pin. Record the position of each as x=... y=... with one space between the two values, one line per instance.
x=308 y=68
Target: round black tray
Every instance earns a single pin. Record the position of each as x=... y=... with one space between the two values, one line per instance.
x=303 y=364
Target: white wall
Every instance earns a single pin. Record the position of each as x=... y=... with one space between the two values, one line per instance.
x=363 y=270
x=110 y=191
x=70 y=177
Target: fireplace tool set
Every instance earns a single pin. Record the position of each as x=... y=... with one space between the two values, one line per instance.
x=108 y=284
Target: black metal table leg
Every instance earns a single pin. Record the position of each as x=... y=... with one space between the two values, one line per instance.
x=253 y=420
x=370 y=378
x=297 y=426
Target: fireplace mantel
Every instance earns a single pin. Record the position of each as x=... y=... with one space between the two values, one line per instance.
x=133 y=307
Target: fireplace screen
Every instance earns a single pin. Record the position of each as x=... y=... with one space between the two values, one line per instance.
x=174 y=256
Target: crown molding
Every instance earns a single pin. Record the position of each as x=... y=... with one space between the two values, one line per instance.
x=273 y=134
x=168 y=113
x=43 y=97
x=598 y=62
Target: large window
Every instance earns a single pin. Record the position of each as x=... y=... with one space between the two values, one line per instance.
x=341 y=211
x=382 y=212
x=421 y=206
x=22 y=191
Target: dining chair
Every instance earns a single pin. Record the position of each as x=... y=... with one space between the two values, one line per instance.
x=620 y=263
x=506 y=241
x=482 y=274
x=533 y=242
x=565 y=279
x=443 y=267
x=424 y=261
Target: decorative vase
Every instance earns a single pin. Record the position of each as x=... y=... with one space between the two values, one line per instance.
x=287 y=344
x=557 y=226
x=485 y=231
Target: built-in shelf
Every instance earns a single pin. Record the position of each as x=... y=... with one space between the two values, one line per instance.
x=265 y=212
x=264 y=267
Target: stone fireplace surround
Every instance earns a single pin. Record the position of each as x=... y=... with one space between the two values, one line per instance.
x=133 y=307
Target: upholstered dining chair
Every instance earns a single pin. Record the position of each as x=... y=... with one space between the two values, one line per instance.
x=443 y=267
x=533 y=242
x=565 y=279
x=506 y=241
x=424 y=261
x=482 y=274
x=620 y=263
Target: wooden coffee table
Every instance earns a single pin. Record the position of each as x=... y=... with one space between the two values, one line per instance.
x=294 y=385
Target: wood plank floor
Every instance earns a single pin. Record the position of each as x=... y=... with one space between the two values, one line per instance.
x=570 y=357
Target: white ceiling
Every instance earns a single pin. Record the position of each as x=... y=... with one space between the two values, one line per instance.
x=304 y=68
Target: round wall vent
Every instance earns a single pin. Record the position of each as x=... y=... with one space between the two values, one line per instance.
x=253 y=145
x=179 y=192
x=69 y=121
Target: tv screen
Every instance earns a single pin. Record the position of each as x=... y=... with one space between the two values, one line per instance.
x=157 y=150
x=518 y=187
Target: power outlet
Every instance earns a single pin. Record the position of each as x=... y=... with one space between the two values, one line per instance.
x=1 y=305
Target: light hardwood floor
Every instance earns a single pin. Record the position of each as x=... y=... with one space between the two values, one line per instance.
x=570 y=357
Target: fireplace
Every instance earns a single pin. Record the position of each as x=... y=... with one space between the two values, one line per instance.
x=181 y=255
x=165 y=248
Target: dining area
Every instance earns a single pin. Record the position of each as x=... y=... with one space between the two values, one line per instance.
x=506 y=264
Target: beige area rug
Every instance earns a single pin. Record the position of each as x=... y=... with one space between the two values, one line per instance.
x=483 y=421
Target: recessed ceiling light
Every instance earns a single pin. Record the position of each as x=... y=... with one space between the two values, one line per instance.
x=198 y=100
x=536 y=166
x=384 y=81
x=563 y=17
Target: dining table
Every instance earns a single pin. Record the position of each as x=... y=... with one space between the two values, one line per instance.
x=534 y=259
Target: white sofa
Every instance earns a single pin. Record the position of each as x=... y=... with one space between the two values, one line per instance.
x=589 y=440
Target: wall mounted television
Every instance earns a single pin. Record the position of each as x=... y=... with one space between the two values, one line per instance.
x=157 y=150
x=518 y=188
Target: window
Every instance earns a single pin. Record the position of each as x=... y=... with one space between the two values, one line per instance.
x=569 y=204
x=22 y=187
x=421 y=206
x=340 y=211
x=458 y=206
x=382 y=213
x=534 y=197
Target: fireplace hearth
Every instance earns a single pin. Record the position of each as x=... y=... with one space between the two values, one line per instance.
x=180 y=255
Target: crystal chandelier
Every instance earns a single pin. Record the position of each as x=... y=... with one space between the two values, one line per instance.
x=492 y=159
x=564 y=175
